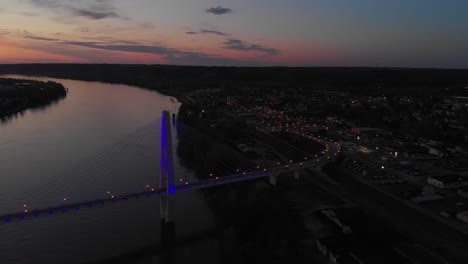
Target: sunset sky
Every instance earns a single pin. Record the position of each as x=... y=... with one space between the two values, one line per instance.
x=402 y=33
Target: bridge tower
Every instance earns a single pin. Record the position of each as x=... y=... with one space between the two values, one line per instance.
x=167 y=202
x=167 y=170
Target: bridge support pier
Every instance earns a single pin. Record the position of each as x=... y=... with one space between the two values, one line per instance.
x=273 y=180
x=167 y=241
x=163 y=206
x=297 y=174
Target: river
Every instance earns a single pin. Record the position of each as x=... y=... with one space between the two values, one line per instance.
x=94 y=141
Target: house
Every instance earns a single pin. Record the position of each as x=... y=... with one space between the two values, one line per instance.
x=435 y=152
x=448 y=181
x=349 y=250
x=463 y=191
x=463 y=216
x=337 y=250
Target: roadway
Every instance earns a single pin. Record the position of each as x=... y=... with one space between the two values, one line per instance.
x=27 y=213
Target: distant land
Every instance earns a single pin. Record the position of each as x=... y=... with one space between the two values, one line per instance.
x=175 y=79
x=17 y=95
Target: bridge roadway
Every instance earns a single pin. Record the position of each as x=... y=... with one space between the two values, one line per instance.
x=35 y=213
x=215 y=181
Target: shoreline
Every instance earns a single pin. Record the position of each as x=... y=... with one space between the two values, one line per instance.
x=166 y=92
x=19 y=95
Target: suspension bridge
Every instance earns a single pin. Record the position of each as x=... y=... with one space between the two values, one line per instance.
x=168 y=185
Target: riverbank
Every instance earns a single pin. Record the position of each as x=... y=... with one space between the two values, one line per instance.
x=17 y=95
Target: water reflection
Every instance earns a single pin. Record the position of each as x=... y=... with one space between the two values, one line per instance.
x=38 y=108
x=38 y=147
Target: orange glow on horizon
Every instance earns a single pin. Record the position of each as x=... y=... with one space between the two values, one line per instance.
x=10 y=54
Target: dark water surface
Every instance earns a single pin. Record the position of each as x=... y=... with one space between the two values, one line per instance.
x=96 y=140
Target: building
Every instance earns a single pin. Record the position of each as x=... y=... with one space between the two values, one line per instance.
x=463 y=216
x=365 y=150
x=337 y=250
x=369 y=132
x=349 y=250
x=435 y=152
x=448 y=181
x=249 y=118
x=463 y=191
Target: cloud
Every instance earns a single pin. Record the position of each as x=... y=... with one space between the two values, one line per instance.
x=219 y=10
x=207 y=31
x=214 y=32
x=93 y=9
x=195 y=58
x=40 y=38
x=91 y=44
x=29 y=14
x=4 y=32
x=126 y=42
x=146 y=25
x=174 y=56
x=92 y=14
x=158 y=50
x=236 y=44
x=52 y=4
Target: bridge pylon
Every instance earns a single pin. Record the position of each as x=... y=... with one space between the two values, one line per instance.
x=166 y=178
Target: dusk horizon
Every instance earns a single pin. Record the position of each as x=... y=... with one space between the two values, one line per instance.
x=241 y=33
x=248 y=66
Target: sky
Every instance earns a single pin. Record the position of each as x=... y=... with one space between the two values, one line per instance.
x=397 y=33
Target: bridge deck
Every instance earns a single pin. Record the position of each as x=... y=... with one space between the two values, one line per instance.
x=216 y=181
x=34 y=213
